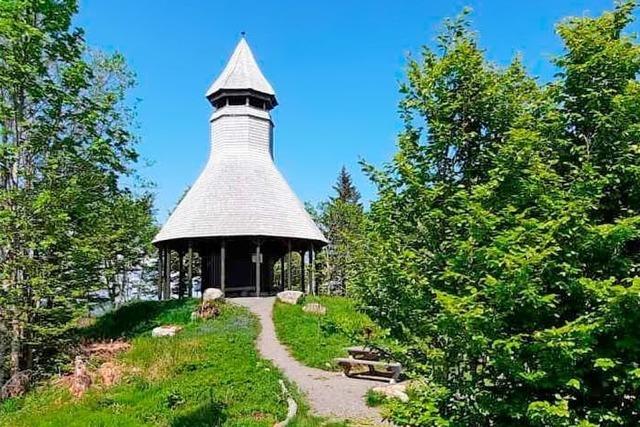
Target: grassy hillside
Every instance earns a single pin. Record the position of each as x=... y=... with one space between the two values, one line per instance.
x=207 y=375
x=316 y=340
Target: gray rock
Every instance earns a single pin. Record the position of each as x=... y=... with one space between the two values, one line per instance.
x=290 y=297
x=165 y=331
x=212 y=294
x=394 y=391
x=315 y=308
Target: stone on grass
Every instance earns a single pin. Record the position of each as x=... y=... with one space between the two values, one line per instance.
x=80 y=380
x=290 y=297
x=393 y=391
x=212 y=294
x=165 y=331
x=206 y=310
x=315 y=308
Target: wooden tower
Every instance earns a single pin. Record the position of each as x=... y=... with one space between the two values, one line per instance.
x=240 y=215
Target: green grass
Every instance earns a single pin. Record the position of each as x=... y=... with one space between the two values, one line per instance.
x=375 y=399
x=207 y=375
x=316 y=340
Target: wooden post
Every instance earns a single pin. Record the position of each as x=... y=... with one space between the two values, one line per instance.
x=190 y=271
x=258 y=269
x=164 y=273
x=180 y=274
x=289 y=273
x=167 y=274
x=160 y=271
x=282 y=272
x=302 y=287
x=312 y=270
x=223 y=267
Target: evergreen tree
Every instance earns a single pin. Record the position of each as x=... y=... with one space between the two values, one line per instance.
x=345 y=190
x=340 y=219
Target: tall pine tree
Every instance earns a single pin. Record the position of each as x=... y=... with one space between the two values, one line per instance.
x=345 y=190
x=340 y=218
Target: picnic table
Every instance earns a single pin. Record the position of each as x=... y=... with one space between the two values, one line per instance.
x=363 y=353
x=369 y=357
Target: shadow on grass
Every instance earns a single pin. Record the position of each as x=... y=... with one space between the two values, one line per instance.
x=210 y=414
x=137 y=317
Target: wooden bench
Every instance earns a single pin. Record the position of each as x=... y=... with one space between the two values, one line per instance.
x=391 y=370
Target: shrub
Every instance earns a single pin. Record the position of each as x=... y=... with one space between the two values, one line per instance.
x=502 y=251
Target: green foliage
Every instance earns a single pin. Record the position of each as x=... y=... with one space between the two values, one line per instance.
x=340 y=219
x=68 y=225
x=345 y=190
x=316 y=340
x=423 y=408
x=502 y=251
x=374 y=398
x=208 y=374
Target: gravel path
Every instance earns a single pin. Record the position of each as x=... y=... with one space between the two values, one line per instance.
x=329 y=393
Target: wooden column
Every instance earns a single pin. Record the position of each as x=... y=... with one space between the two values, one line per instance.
x=282 y=272
x=258 y=269
x=180 y=275
x=289 y=273
x=312 y=270
x=167 y=273
x=190 y=271
x=160 y=273
x=223 y=267
x=163 y=260
x=302 y=287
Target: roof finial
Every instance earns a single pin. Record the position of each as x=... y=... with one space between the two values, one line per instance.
x=243 y=34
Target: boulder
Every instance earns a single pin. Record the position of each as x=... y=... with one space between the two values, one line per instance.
x=80 y=380
x=315 y=308
x=393 y=391
x=207 y=310
x=165 y=331
x=212 y=294
x=290 y=297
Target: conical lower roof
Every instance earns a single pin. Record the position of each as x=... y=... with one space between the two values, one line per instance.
x=240 y=192
x=233 y=197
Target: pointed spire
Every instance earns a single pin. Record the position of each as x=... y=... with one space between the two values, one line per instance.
x=241 y=72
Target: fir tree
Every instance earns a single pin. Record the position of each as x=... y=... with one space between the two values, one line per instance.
x=345 y=190
x=340 y=218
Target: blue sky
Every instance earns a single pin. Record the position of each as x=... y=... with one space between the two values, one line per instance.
x=335 y=66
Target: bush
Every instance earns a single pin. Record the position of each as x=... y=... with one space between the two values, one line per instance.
x=502 y=252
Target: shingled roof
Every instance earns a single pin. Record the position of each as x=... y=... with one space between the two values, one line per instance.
x=241 y=72
x=240 y=192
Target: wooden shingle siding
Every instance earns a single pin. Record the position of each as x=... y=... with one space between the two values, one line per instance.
x=240 y=192
x=242 y=72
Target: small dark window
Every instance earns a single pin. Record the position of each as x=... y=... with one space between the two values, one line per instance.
x=258 y=103
x=237 y=100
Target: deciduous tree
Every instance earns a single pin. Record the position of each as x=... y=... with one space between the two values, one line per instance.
x=65 y=146
x=502 y=251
